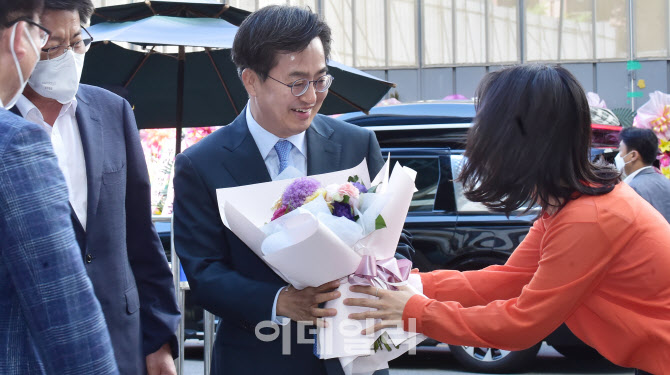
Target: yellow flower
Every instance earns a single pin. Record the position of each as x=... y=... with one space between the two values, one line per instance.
x=666 y=171
x=277 y=204
x=317 y=193
x=665 y=146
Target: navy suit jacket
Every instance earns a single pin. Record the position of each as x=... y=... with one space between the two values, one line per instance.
x=226 y=277
x=50 y=320
x=123 y=255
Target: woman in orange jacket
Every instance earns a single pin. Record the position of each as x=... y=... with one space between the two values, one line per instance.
x=597 y=258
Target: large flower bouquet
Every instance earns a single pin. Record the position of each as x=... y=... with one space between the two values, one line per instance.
x=655 y=115
x=334 y=226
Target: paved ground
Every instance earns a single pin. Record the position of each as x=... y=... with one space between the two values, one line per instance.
x=439 y=361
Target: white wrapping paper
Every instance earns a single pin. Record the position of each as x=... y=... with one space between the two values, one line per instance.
x=306 y=252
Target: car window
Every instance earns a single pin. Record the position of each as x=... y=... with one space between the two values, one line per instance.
x=428 y=174
x=462 y=203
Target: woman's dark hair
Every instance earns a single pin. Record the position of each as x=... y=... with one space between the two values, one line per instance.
x=644 y=141
x=85 y=8
x=530 y=141
x=10 y=10
x=276 y=29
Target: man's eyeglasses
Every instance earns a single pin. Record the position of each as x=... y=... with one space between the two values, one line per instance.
x=80 y=47
x=300 y=86
x=44 y=32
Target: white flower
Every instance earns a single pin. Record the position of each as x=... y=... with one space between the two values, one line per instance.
x=333 y=194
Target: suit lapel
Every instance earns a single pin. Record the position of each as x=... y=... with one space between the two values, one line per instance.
x=323 y=155
x=90 y=130
x=244 y=162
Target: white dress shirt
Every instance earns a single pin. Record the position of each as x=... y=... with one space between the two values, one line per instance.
x=265 y=141
x=66 y=141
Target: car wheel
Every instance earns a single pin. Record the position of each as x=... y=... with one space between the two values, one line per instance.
x=494 y=360
x=577 y=352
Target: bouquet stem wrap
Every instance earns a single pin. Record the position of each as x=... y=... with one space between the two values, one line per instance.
x=392 y=272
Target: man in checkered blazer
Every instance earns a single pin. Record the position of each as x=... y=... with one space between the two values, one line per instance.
x=50 y=320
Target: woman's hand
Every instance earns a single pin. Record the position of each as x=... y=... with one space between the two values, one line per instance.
x=389 y=305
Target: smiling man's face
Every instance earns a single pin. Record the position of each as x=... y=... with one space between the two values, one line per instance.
x=273 y=105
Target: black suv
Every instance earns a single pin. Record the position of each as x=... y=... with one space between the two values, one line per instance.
x=450 y=232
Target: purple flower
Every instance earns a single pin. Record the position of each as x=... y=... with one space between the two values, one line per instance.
x=360 y=187
x=295 y=194
x=342 y=210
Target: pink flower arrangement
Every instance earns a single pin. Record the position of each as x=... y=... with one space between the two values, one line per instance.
x=664 y=158
x=159 y=150
x=655 y=115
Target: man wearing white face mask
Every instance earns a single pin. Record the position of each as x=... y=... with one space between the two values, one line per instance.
x=96 y=140
x=637 y=153
x=52 y=322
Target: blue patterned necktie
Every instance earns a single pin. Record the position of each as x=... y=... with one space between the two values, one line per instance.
x=283 y=148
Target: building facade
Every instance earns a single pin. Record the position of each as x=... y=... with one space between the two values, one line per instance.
x=619 y=49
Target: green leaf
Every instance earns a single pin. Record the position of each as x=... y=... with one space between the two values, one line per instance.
x=379 y=222
x=356 y=218
x=373 y=189
x=353 y=178
x=345 y=199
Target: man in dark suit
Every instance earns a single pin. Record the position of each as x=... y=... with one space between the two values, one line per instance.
x=51 y=321
x=98 y=148
x=637 y=153
x=281 y=54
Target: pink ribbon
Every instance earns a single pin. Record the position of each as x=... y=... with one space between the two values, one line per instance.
x=390 y=271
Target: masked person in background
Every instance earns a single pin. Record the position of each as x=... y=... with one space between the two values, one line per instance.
x=97 y=144
x=637 y=153
x=50 y=320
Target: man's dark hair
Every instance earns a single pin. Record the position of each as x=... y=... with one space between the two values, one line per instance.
x=276 y=29
x=530 y=141
x=644 y=141
x=85 y=8
x=10 y=10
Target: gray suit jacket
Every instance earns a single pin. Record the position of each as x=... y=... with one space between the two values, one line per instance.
x=122 y=253
x=655 y=189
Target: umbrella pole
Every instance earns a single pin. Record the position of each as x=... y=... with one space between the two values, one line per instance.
x=180 y=97
x=225 y=87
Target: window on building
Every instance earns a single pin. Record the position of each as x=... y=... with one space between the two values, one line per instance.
x=503 y=41
x=263 y=3
x=249 y=5
x=541 y=29
x=338 y=14
x=438 y=36
x=402 y=32
x=577 y=30
x=470 y=31
x=305 y=3
x=651 y=28
x=611 y=29
x=370 y=33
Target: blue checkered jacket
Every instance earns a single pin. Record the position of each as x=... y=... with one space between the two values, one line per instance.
x=50 y=320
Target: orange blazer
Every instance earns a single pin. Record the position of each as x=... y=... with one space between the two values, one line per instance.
x=601 y=265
